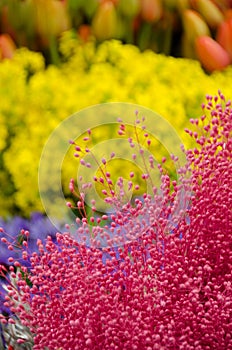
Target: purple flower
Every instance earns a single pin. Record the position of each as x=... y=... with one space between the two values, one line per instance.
x=39 y=227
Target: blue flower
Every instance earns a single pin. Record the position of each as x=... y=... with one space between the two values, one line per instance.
x=39 y=227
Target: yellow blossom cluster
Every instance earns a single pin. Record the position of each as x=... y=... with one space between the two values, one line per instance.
x=36 y=98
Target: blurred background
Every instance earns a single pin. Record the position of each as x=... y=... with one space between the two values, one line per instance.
x=172 y=27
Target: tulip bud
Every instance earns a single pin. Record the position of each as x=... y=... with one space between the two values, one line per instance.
x=194 y=25
x=7 y=46
x=224 y=36
x=228 y=14
x=129 y=8
x=61 y=21
x=104 y=24
x=209 y=11
x=182 y=5
x=211 y=54
x=151 y=10
x=51 y=18
x=84 y=32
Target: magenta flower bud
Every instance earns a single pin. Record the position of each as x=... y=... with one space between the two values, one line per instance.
x=101 y=180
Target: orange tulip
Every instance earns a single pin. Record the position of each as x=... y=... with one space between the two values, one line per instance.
x=211 y=54
x=84 y=32
x=7 y=46
x=151 y=10
x=228 y=14
x=224 y=36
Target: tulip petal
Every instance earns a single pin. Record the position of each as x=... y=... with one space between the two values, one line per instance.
x=194 y=25
x=105 y=21
x=151 y=10
x=211 y=54
x=7 y=46
x=224 y=36
x=210 y=12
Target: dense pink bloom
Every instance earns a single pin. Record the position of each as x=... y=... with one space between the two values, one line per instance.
x=156 y=290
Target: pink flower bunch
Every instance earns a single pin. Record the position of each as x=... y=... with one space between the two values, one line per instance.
x=168 y=285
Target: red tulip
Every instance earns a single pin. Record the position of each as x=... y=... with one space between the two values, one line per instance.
x=7 y=46
x=228 y=14
x=151 y=10
x=224 y=36
x=84 y=32
x=211 y=54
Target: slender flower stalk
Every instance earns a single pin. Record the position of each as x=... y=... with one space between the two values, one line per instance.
x=16 y=231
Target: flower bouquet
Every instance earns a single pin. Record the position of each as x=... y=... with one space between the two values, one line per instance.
x=151 y=272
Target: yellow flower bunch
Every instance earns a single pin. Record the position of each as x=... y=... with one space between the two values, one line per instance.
x=35 y=99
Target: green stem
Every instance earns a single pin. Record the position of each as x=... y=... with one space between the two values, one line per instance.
x=53 y=50
x=145 y=36
x=167 y=39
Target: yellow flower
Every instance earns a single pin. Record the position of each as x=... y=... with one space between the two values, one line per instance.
x=35 y=99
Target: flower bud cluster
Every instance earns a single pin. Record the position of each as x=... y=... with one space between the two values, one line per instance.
x=166 y=286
